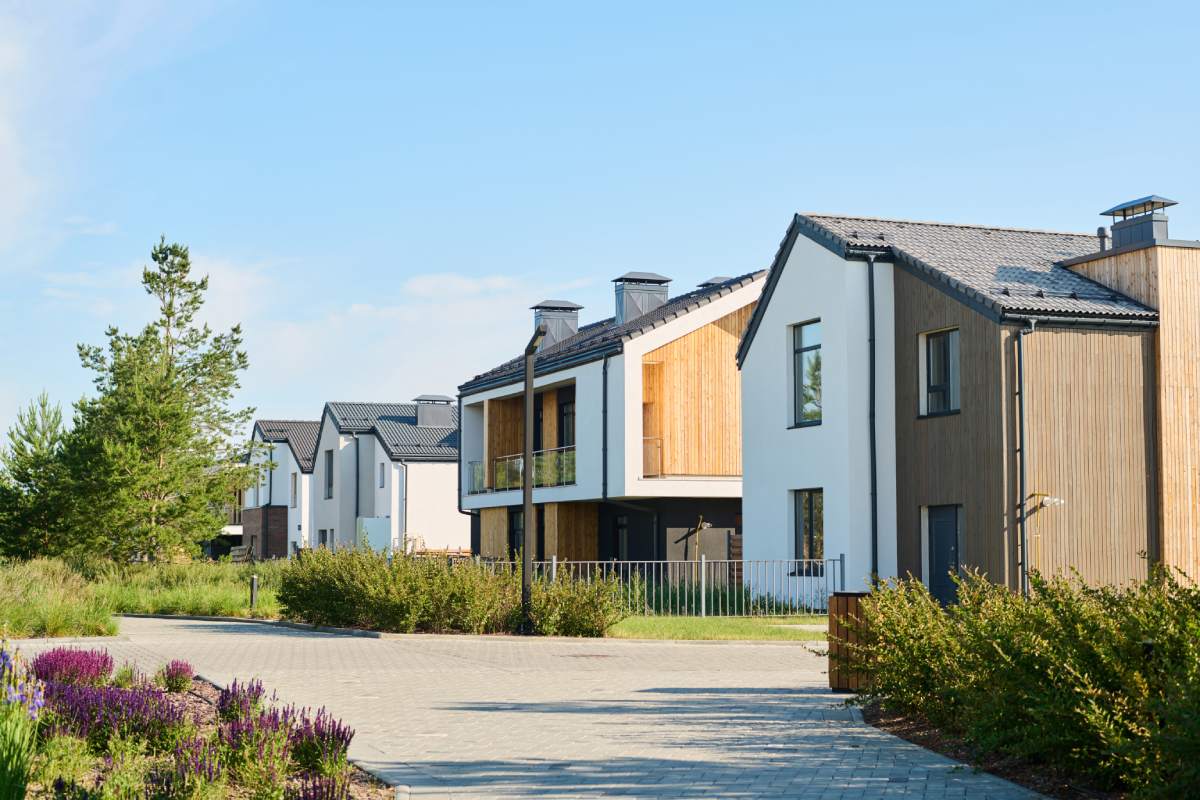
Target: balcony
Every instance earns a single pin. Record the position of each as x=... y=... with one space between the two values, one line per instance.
x=554 y=467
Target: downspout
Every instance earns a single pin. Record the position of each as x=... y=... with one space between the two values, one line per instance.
x=271 y=479
x=404 y=500
x=871 y=417
x=1021 y=505
x=354 y=540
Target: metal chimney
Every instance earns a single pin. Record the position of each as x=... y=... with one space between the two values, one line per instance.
x=1139 y=220
x=561 y=318
x=639 y=293
x=434 y=411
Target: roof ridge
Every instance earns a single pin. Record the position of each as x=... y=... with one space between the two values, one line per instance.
x=289 y=421
x=1013 y=229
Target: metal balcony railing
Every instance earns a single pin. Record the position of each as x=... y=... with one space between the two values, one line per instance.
x=554 y=467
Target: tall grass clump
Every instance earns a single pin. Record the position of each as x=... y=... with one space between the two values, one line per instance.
x=360 y=588
x=21 y=701
x=205 y=588
x=1102 y=682
x=45 y=597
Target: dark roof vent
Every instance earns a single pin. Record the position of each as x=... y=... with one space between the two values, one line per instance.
x=561 y=318
x=434 y=411
x=1139 y=220
x=639 y=293
x=716 y=280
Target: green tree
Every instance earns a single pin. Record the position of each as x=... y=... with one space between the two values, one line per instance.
x=155 y=455
x=31 y=510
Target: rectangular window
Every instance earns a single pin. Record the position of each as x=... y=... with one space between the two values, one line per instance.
x=516 y=532
x=328 y=474
x=941 y=373
x=810 y=530
x=295 y=486
x=566 y=417
x=806 y=373
x=382 y=475
x=322 y=538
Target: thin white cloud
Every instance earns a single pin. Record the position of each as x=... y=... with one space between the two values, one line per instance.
x=86 y=226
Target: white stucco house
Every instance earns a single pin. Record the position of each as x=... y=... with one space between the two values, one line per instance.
x=637 y=434
x=388 y=472
x=277 y=510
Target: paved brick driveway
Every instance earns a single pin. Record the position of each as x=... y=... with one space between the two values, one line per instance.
x=502 y=718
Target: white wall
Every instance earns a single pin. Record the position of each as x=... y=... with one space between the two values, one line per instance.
x=300 y=517
x=335 y=514
x=432 y=513
x=832 y=456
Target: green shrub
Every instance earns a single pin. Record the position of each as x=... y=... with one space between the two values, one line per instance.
x=1103 y=682
x=63 y=758
x=359 y=588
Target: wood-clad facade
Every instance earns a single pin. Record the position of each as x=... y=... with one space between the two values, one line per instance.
x=1091 y=441
x=1167 y=278
x=691 y=402
x=570 y=531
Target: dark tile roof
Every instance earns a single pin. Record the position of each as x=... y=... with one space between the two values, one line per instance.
x=395 y=425
x=300 y=436
x=1000 y=271
x=598 y=339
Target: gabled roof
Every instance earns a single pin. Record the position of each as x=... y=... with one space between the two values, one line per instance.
x=1001 y=272
x=300 y=436
x=606 y=337
x=395 y=425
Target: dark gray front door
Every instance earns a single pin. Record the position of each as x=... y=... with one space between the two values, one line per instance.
x=943 y=552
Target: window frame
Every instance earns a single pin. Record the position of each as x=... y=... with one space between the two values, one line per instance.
x=803 y=535
x=949 y=341
x=329 y=474
x=382 y=475
x=294 y=498
x=798 y=349
x=566 y=417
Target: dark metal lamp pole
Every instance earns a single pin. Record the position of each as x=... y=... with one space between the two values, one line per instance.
x=529 y=521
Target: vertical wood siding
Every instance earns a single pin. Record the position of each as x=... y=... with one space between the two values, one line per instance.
x=1090 y=437
x=957 y=459
x=572 y=531
x=691 y=395
x=493 y=532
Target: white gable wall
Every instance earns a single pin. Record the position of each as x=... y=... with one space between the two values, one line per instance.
x=432 y=514
x=833 y=456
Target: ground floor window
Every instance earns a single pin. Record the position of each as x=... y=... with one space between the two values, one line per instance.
x=516 y=531
x=322 y=538
x=809 y=530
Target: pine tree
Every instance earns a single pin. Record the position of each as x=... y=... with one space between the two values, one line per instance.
x=31 y=512
x=153 y=457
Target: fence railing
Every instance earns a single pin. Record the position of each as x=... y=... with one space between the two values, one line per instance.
x=710 y=587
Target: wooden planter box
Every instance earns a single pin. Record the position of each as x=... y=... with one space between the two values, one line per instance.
x=843 y=609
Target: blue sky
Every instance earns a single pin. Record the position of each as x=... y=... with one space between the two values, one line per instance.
x=380 y=191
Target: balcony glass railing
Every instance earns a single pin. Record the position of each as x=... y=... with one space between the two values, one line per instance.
x=554 y=467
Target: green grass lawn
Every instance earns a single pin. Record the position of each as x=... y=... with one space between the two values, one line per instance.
x=754 y=628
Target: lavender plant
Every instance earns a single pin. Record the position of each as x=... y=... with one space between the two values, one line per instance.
x=101 y=713
x=320 y=787
x=320 y=743
x=240 y=700
x=258 y=749
x=176 y=677
x=195 y=771
x=67 y=665
x=20 y=705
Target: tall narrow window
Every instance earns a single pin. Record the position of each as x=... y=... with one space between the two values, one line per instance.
x=328 y=474
x=941 y=372
x=516 y=531
x=293 y=499
x=382 y=475
x=810 y=525
x=806 y=373
x=566 y=417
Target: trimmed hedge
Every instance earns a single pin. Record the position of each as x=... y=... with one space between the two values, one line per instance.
x=360 y=588
x=1104 y=682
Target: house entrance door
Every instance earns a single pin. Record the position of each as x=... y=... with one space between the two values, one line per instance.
x=943 y=552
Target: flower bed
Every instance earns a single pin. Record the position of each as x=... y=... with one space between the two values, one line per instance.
x=87 y=737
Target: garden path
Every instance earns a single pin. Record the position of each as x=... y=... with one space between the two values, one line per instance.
x=504 y=717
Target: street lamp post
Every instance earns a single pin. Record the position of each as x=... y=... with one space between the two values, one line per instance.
x=529 y=520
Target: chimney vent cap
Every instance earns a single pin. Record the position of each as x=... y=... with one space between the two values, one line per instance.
x=557 y=305
x=642 y=277
x=433 y=398
x=1143 y=205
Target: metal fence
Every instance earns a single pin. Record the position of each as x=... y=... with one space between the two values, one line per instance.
x=709 y=587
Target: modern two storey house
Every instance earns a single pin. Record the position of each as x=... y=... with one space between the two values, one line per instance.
x=387 y=472
x=277 y=515
x=926 y=397
x=637 y=429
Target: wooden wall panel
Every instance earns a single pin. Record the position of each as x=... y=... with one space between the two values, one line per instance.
x=693 y=399
x=493 y=532
x=574 y=529
x=549 y=419
x=504 y=427
x=1091 y=441
x=951 y=460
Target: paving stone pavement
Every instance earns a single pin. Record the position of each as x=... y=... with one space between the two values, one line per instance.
x=501 y=717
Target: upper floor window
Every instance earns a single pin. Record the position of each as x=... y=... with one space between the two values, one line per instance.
x=294 y=487
x=566 y=417
x=810 y=527
x=382 y=475
x=806 y=373
x=940 y=362
x=328 y=474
